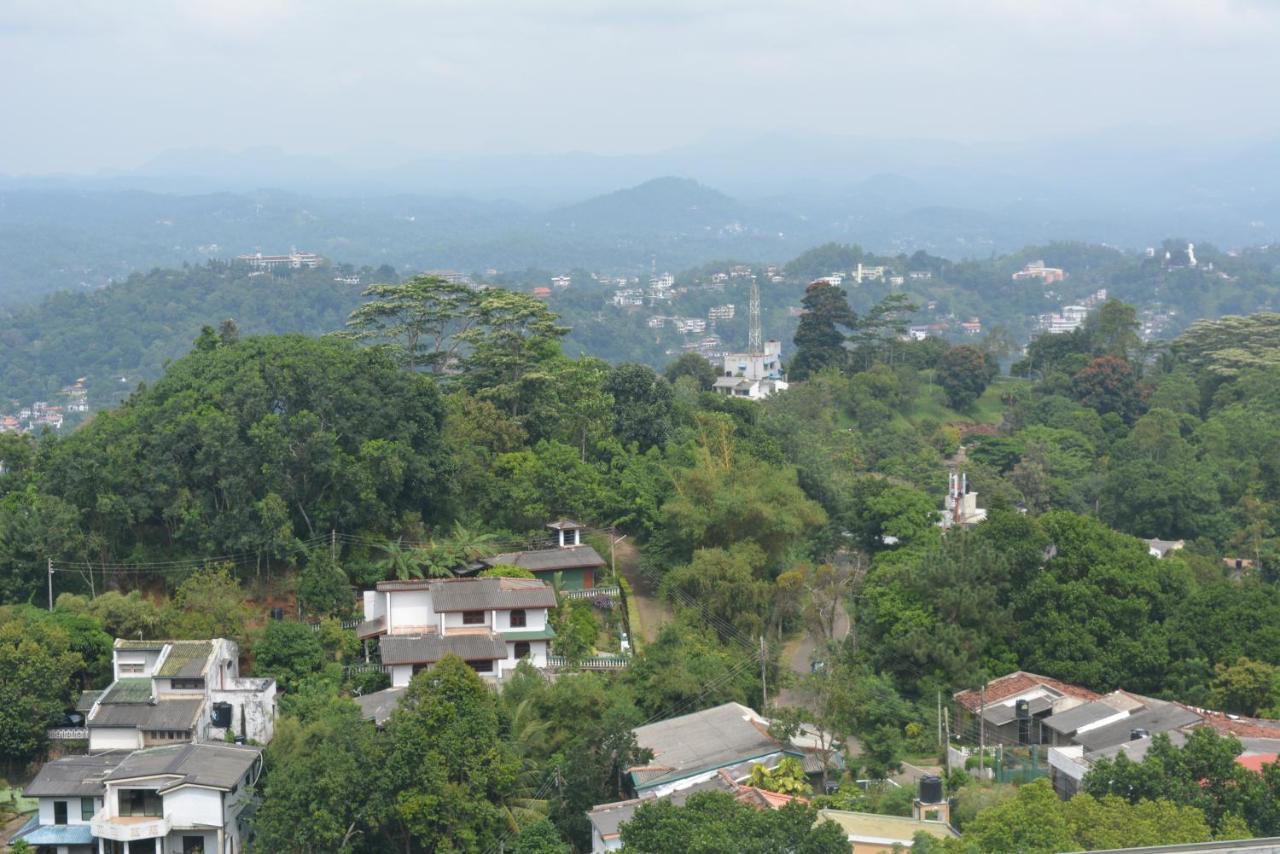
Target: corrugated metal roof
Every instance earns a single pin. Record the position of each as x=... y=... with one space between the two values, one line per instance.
x=165 y=714
x=713 y=738
x=86 y=700
x=219 y=766
x=550 y=560
x=153 y=645
x=186 y=659
x=428 y=649
x=74 y=776
x=491 y=594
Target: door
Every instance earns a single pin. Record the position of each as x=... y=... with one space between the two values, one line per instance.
x=193 y=845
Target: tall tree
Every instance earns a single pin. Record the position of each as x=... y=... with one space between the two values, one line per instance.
x=820 y=336
x=964 y=374
x=424 y=321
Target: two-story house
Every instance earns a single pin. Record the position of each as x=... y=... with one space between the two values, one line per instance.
x=182 y=799
x=179 y=799
x=166 y=692
x=491 y=623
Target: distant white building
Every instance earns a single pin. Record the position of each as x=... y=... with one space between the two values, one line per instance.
x=721 y=312
x=295 y=260
x=961 y=505
x=561 y=282
x=754 y=376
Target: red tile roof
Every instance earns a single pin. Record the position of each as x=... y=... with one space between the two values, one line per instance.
x=1238 y=725
x=1255 y=762
x=1016 y=683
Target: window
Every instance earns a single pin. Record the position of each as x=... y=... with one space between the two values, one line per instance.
x=522 y=649
x=485 y=666
x=188 y=684
x=140 y=802
x=131 y=667
x=473 y=618
x=59 y=812
x=518 y=619
x=86 y=809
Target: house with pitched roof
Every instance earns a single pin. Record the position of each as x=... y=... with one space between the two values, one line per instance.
x=576 y=564
x=491 y=623
x=180 y=799
x=168 y=692
x=999 y=705
x=70 y=793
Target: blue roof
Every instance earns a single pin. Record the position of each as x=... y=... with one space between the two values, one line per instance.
x=35 y=833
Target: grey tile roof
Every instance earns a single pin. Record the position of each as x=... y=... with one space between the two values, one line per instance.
x=87 y=699
x=1159 y=716
x=713 y=738
x=186 y=659
x=379 y=705
x=550 y=560
x=74 y=776
x=218 y=766
x=128 y=690
x=152 y=645
x=491 y=594
x=427 y=649
x=565 y=525
x=408 y=584
x=164 y=714
x=609 y=818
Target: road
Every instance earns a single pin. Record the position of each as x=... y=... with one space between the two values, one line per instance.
x=797 y=655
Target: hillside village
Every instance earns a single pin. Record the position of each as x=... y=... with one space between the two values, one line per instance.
x=858 y=592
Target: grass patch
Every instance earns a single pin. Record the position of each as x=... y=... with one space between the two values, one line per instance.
x=931 y=404
x=11 y=800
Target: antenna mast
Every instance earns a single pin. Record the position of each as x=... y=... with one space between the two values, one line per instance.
x=755 y=343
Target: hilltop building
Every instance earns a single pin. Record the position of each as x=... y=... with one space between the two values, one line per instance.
x=961 y=505
x=754 y=376
x=1037 y=270
x=295 y=260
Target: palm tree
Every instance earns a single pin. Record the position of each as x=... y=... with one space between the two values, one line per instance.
x=473 y=545
x=401 y=563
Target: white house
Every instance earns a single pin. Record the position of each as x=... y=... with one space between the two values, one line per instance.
x=69 y=792
x=178 y=800
x=165 y=692
x=754 y=376
x=491 y=623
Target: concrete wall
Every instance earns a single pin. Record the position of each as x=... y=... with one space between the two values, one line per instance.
x=253 y=709
x=190 y=806
x=146 y=657
x=535 y=618
x=114 y=738
x=453 y=620
x=173 y=842
x=537 y=655
x=411 y=608
x=373 y=603
x=73 y=810
x=400 y=675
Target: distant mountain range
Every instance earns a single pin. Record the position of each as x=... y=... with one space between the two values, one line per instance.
x=764 y=198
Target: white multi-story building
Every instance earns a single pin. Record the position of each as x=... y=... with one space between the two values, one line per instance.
x=754 y=376
x=721 y=312
x=178 y=799
x=491 y=623
x=166 y=692
x=295 y=260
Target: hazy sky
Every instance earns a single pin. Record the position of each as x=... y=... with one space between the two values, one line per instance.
x=88 y=85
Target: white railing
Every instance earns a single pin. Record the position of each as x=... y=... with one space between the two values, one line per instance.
x=593 y=662
x=68 y=733
x=611 y=591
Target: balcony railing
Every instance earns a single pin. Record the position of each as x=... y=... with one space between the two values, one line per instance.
x=610 y=591
x=124 y=828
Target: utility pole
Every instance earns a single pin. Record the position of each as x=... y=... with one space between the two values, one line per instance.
x=941 y=743
x=764 y=685
x=50 y=584
x=946 y=727
x=982 y=729
x=333 y=544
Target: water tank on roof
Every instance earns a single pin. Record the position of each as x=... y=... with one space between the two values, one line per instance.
x=930 y=789
x=220 y=715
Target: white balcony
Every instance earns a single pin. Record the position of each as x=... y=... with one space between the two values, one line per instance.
x=123 y=828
